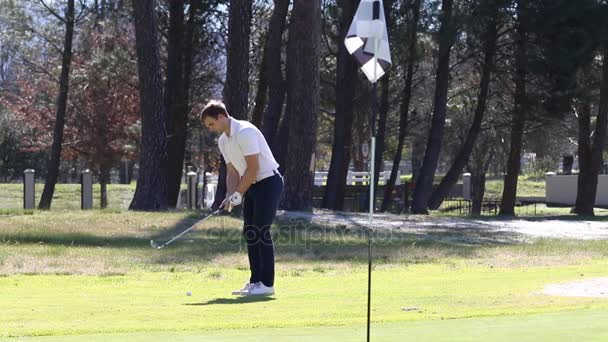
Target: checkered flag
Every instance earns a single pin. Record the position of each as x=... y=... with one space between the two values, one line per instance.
x=367 y=39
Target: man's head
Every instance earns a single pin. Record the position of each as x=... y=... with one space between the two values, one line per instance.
x=215 y=117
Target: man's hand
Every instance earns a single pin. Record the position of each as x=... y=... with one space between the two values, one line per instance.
x=235 y=199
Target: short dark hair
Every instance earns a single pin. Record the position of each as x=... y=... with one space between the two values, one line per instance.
x=213 y=109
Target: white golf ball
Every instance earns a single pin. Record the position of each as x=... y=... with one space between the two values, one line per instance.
x=188 y=293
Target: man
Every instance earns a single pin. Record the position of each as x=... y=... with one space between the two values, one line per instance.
x=253 y=179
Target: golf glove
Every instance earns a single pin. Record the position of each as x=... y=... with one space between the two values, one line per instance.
x=236 y=198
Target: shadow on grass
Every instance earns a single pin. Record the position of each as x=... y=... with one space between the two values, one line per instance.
x=295 y=240
x=236 y=300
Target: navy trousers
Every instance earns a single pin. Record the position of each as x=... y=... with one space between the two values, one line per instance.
x=260 y=204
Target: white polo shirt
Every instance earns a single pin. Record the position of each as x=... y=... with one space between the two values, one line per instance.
x=246 y=139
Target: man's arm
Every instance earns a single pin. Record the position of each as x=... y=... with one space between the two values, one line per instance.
x=232 y=178
x=251 y=173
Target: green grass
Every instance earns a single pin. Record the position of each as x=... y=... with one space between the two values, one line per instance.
x=71 y=272
x=67 y=196
x=587 y=325
x=156 y=301
x=526 y=187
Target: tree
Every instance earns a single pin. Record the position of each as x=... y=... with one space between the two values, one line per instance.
x=151 y=190
x=302 y=101
x=488 y=13
x=404 y=106
x=346 y=82
x=175 y=104
x=507 y=204
x=62 y=99
x=236 y=88
x=424 y=184
x=104 y=106
x=272 y=69
x=590 y=154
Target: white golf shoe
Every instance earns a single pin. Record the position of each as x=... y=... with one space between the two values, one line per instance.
x=259 y=289
x=243 y=291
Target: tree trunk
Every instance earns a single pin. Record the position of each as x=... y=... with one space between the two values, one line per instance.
x=280 y=151
x=507 y=204
x=260 y=98
x=404 y=107
x=151 y=190
x=274 y=73
x=302 y=102
x=478 y=187
x=481 y=164
x=174 y=100
x=424 y=184
x=588 y=178
x=104 y=179
x=189 y=48
x=489 y=48
x=584 y=158
x=346 y=82
x=236 y=88
x=62 y=99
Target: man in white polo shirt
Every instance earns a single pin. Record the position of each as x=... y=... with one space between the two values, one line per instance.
x=253 y=179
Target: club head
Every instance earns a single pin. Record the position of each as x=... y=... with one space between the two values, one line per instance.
x=154 y=245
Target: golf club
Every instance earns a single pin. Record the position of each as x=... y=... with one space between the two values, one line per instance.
x=157 y=246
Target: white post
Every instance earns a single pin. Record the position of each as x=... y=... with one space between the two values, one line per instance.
x=466 y=186
x=86 y=190
x=192 y=188
x=29 y=191
x=548 y=177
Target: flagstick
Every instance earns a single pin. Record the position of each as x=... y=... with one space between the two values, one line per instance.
x=371 y=191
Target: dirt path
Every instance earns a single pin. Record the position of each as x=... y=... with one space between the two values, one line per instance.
x=459 y=229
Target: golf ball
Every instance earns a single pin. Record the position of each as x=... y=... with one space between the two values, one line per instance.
x=188 y=293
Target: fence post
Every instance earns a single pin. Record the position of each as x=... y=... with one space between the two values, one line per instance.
x=549 y=186
x=29 y=190
x=466 y=186
x=192 y=189
x=86 y=190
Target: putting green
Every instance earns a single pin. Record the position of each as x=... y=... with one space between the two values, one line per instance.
x=564 y=326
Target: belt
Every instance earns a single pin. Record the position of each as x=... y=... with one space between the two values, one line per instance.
x=265 y=175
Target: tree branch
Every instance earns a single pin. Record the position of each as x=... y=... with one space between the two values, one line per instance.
x=62 y=19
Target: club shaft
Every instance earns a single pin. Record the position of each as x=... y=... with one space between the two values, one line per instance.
x=194 y=225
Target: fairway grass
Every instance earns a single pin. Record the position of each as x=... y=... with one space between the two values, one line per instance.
x=157 y=301
x=73 y=273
